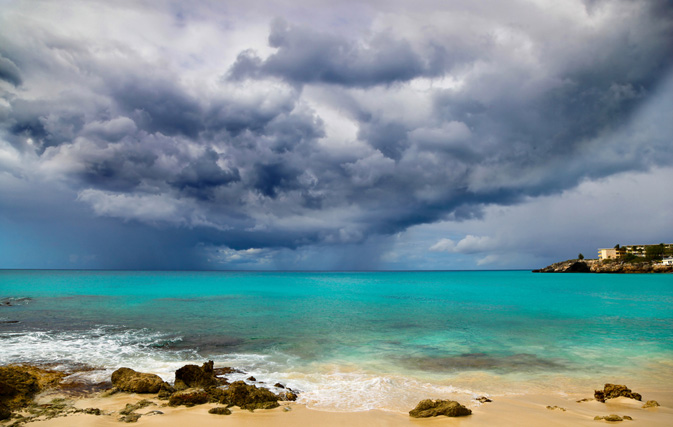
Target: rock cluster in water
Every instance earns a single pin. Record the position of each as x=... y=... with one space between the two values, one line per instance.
x=196 y=385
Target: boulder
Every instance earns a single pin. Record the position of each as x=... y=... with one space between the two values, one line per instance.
x=188 y=397
x=190 y=376
x=611 y=391
x=249 y=397
x=128 y=380
x=432 y=408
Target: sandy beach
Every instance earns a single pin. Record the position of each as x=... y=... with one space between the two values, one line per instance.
x=525 y=410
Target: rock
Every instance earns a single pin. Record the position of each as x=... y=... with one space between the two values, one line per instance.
x=584 y=400
x=279 y=385
x=251 y=378
x=18 y=384
x=5 y=413
x=220 y=410
x=651 y=404
x=130 y=418
x=613 y=417
x=154 y=412
x=626 y=417
x=249 y=397
x=128 y=380
x=190 y=376
x=611 y=391
x=92 y=411
x=134 y=407
x=226 y=371
x=188 y=397
x=432 y=408
x=483 y=399
x=556 y=407
x=287 y=395
x=165 y=391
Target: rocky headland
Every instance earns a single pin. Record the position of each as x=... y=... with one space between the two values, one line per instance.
x=602 y=266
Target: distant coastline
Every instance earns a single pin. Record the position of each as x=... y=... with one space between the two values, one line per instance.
x=605 y=266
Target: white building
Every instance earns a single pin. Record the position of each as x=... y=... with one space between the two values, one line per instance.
x=667 y=260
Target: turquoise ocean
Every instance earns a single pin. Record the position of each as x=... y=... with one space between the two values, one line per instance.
x=351 y=341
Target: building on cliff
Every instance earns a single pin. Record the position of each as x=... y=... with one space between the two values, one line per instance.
x=637 y=250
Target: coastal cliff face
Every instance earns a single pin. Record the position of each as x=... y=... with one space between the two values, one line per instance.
x=598 y=266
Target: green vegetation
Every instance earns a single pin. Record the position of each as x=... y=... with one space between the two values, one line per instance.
x=580 y=256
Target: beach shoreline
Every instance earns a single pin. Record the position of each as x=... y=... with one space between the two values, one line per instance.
x=523 y=410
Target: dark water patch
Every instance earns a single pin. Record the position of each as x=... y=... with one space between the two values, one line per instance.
x=206 y=344
x=14 y=301
x=521 y=362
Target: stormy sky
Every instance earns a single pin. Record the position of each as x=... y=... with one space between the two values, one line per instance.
x=310 y=134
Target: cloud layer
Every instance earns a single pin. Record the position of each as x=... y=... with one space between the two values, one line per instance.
x=265 y=134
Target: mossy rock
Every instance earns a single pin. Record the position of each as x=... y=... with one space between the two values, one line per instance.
x=189 y=397
x=249 y=396
x=220 y=410
x=126 y=379
x=433 y=408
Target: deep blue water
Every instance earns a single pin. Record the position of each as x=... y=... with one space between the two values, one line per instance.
x=444 y=331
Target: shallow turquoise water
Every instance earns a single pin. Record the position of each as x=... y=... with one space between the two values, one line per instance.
x=468 y=331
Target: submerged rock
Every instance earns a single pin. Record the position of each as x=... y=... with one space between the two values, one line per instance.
x=126 y=379
x=483 y=399
x=249 y=397
x=190 y=376
x=611 y=391
x=287 y=395
x=432 y=408
x=188 y=397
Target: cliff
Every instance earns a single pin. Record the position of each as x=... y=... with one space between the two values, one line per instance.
x=598 y=266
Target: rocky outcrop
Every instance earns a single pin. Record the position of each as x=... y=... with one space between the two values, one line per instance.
x=190 y=376
x=128 y=380
x=432 y=408
x=598 y=266
x=18 y=385
x=249 y=397
x=651 y=404
x=611 y=391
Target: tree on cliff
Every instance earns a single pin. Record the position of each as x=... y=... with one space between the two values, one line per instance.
x=580 y=256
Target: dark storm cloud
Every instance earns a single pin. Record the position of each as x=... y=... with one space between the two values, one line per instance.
x=252 y=161
x=9 y=71
x=307 y=56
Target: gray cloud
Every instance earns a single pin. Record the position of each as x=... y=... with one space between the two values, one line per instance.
x=440 y=121
x=307 y=56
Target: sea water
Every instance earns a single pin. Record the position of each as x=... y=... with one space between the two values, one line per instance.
x=351 y=341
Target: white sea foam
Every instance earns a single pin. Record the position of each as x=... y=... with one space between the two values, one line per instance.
x=329 y=387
